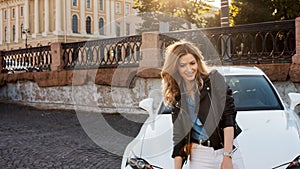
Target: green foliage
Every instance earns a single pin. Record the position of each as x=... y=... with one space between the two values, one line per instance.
x=254 y=11
x=178 y=13
x=245 y=11
x=285 y=9
x=214 y=21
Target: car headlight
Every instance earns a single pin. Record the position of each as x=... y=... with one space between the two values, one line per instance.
x=291 y=165
x=139 y=163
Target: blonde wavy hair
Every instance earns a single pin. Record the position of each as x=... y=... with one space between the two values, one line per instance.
x=171 y=79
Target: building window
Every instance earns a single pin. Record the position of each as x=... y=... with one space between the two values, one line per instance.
x=13 y=12
x=22 y=28
x=101 y=5
x=5 y=14
x=74 y=2
x=88 y=3
x=75 y=24
x=22 y=11
x=118 y=10
x=136 y=11
x=88 y=25
x=127 y=29
x=14 y=32
x=136 y=29
x=5 y=34
x=127 y=9
x=118 y=29
x=101 y=26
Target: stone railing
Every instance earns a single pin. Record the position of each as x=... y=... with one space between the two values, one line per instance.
x=105 y=53
x=266 y=43
x=29 y=59
x=114 y=85
x=274 y=47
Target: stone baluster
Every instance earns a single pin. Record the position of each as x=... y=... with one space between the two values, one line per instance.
x=295 y=66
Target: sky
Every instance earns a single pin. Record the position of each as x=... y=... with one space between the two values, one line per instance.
x=216 y=3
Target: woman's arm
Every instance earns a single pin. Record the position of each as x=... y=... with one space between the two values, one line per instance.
x=177 y=162
x=228 y=145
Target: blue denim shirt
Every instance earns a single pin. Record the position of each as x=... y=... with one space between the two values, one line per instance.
x=198 y=131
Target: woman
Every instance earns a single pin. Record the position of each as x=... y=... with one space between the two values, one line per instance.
x=203 y=111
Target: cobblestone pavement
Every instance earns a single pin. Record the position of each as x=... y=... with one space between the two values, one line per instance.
x=31 y=138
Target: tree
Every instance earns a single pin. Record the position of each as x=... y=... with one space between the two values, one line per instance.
x=284 y=9
x=178 y=13
x=245 y=11
x=214 y=21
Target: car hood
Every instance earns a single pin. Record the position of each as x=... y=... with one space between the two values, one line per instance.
x=269 y=138
x=154 y=142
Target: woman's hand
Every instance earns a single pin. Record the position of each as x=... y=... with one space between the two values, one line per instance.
x=177 y=162
x=226 y=163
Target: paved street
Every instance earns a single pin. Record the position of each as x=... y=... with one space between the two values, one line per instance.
x=31 y=138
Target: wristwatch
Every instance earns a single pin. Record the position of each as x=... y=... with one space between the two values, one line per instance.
x=229 y=154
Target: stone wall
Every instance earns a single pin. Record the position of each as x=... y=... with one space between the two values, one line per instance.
x=99 y=98
x=104 y=90
x=89 y=96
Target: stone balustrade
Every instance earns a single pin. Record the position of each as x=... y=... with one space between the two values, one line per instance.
x=114 y=87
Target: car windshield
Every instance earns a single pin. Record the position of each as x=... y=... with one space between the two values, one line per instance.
x=253 y=93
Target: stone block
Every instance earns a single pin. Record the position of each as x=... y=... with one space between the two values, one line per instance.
x=54 y=78
x=151 y=50
x=296 y=58
x=78 y=77
x=24 y=76
x=10 y=78
x=57 y=61
x=103 y=76
x=275 y=72
x=295 y=73
x=149 y=73
x=121 y=77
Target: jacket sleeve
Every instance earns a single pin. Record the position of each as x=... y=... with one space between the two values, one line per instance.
x=229 y=114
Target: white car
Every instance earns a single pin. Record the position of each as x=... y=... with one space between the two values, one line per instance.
x=271 y=131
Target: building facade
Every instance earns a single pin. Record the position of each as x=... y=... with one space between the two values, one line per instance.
x=29 y=23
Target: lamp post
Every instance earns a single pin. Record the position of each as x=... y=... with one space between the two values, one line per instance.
x=26 y=32
x=224 y=13
x=225 y=38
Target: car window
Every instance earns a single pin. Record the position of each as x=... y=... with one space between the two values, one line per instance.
x=253 y=93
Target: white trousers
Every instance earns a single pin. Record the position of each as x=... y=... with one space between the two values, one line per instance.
x=208 y=158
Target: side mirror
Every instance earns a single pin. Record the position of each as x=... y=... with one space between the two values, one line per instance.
x=147 y=104
x=152 y=103
x=294 y=99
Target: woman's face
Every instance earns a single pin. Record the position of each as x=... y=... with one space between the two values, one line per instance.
x=187 y=67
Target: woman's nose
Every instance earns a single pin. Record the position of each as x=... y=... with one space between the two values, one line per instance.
x=189 y=68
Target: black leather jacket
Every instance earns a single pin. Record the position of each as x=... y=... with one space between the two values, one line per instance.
x=216 y=111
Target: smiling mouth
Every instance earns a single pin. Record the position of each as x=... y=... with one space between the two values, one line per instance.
x=189 y=75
